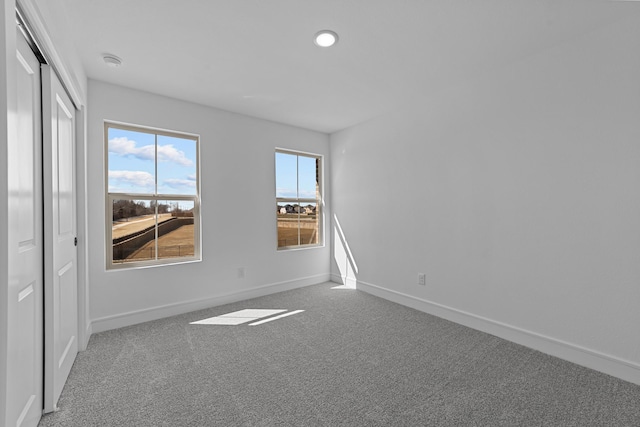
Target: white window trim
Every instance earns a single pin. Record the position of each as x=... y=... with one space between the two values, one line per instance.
x=110 y=197
x=320 y=202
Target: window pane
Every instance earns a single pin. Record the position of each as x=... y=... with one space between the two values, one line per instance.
x=286 y=175
x=149 y=166
x=133 y=230
x=288 y=224
x=131 y=159
x=176 y=165
x=176 y=231
x=307 y=177
x=309 y=224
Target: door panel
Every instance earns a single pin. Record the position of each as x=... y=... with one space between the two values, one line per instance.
x=61 y=289
x=65 y=168
x=67 y=301
x=25 y=331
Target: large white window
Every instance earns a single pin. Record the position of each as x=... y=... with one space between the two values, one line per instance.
x=298 y=199
x=153 y=196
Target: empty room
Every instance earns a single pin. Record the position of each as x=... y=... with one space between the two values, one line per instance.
x=320 y=213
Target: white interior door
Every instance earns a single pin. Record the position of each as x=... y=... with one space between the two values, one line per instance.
x=25 y=335
x=60 y=256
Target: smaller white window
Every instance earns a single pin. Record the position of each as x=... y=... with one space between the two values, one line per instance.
x=298 y=199
x=153 y=196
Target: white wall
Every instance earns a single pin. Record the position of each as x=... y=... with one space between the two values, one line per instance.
x=517 y=194
x=238 y=211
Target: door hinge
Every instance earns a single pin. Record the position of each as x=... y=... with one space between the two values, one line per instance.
x=75 y=241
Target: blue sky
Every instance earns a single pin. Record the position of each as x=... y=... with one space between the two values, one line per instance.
x=290 y=184
x=132 y=163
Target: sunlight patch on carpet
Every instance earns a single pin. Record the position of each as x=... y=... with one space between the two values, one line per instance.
x=245 y=316
x=280 y=316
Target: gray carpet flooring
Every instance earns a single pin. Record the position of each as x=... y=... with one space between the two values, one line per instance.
x=350 y=359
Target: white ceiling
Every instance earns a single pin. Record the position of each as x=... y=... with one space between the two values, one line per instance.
x=257 y=57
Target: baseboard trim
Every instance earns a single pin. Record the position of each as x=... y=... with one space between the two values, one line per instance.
x=153 y=313
x=611 y=365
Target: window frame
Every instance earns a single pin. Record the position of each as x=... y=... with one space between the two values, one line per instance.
x=157 y=197
x=319 y=201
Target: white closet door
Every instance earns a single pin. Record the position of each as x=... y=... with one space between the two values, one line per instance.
x=61 y=289
x=25 y=335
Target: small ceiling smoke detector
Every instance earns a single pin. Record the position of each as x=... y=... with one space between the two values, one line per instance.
x=112 y=60
x=325 y=38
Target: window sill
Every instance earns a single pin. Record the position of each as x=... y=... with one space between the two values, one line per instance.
x=150 y=264
x=299 y=248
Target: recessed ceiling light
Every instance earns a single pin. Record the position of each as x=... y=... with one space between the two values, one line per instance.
x=325 y=38
x=112 y=60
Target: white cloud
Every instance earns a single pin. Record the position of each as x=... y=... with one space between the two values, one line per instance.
x=132 y=178
x=288 y=192
x=307 y=194
x=167 y=153
x=285 y=192
x=177 y=182
x=124 y=146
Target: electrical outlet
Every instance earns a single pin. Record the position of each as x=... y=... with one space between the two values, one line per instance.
x=241 y=273
x=422 y=279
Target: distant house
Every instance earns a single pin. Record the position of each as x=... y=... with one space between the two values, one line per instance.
x=283 y=210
